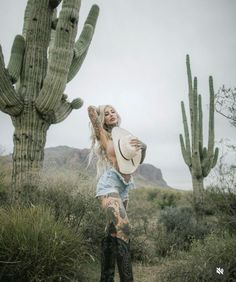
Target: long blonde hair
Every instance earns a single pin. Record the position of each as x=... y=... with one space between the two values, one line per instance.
x=97 y=149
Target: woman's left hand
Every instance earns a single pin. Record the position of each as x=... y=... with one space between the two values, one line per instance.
x=139 y=145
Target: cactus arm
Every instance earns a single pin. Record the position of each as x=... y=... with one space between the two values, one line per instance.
x=186 y=132
x=9 y=101
x=83 y=43
x=216 y=154
x=212 y=156
x=200 y=121
x=54 y=3
x=16 y=58
x=92 y=16
x=189 y=74
x=195 y=118
x=61 y=57
x=195 y=142
x=27 y=14
x=211 y=163
x=185 y=153
x=52 y=34
x=65 y=108
x=211 y=133
x=80 y=52
x=190 y=93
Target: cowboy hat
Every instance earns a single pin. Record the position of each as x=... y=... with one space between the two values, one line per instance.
x=128 y=158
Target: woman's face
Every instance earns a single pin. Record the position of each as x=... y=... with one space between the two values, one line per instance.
x=110 y=116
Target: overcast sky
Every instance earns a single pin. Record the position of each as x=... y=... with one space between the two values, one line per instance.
x=136 y=62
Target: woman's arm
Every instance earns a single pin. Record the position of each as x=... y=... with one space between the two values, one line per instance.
x=97 y=125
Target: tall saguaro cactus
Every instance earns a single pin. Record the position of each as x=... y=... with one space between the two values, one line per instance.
x=199 y=159
x=32 y=86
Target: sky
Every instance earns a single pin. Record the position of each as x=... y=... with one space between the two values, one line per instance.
x=136 y=62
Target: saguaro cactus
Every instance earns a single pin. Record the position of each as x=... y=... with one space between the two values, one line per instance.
x=42 y=61
x=199 y=159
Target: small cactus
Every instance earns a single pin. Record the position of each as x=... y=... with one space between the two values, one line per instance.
x=199 y=159
x=43 y=59
x=77 y=103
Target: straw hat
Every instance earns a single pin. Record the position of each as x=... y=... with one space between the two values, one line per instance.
x=127 y=157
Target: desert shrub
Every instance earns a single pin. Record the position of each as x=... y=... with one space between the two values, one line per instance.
x=93 y=226
x=142 y=215
x=142 y=246
x=77 y=206
x=4 y=183
x=163 y=198
x=203 y=259
x=4 y=195
x=36 y=247
x=221 y=192
x=144 y=208
x=73 y=204
x=176 y=229
x=223 y=205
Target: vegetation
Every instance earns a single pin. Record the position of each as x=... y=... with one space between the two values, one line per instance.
x=199 y=159
x=55 y=234
x=52 y=231
x=36 y=247
x=43 y=59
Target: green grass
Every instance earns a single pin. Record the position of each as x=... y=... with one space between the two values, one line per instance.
x=35 y=247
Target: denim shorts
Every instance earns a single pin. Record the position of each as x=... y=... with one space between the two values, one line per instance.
x=113 y=182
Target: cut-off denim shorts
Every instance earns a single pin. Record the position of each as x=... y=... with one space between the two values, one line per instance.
x=113 y=182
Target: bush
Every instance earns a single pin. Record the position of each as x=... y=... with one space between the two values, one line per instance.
x=142 y=215
x=5 y=174
x=176 y=229
x=35 y=247
x=4 y=196
x=202 y=261
x=222 y=204
x=163 y=198
x=142 y=247
x=77 y=207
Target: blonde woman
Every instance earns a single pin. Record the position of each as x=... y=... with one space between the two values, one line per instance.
x=119 y=154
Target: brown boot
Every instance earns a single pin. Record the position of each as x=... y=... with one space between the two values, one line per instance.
x=124 y=261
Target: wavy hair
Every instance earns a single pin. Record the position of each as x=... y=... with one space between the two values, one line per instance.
x=97 y=149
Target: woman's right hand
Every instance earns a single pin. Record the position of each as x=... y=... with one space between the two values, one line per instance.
x=92 y=111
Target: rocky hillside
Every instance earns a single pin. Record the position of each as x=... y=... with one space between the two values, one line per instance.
x=77 y=159
x=63 y=158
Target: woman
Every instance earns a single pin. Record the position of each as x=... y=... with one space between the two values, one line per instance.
x=119 y=154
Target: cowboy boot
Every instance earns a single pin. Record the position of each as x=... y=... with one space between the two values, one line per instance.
x=108 y=259
x=124 y=261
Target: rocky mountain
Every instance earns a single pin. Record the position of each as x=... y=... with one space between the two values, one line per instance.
x=77 y=159
x=64 y=158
